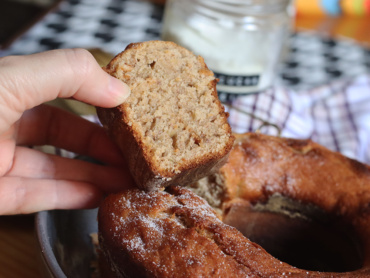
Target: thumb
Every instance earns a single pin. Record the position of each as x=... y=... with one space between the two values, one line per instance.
x=27 y=81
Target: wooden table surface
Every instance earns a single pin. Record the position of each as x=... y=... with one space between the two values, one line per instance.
x=19 y=256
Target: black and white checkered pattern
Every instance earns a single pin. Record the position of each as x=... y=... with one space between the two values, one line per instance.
x=313 y=60
x=336 y=115
x=106 y=24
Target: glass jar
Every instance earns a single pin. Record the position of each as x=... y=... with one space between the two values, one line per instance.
x=240 y=40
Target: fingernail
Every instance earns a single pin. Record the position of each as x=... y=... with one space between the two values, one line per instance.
x=120 y=90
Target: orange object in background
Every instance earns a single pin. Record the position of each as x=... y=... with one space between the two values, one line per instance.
x=322 y=7
x=353 y=7
x=311 y=7
x=367 y=6
x=356 y=28
x=354 y=21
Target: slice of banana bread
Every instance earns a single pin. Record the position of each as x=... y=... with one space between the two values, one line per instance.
x=172 y=129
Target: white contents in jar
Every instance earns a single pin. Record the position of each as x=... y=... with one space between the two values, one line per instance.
x=243 y=52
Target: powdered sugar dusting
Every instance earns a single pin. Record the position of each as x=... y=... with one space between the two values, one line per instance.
x=135 y=244
x=197 y=205
x=151 y=224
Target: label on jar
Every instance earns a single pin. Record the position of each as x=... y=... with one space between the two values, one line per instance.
x=237 y=80
x=231 y=86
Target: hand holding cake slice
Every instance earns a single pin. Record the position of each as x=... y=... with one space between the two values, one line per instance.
x=172 y=129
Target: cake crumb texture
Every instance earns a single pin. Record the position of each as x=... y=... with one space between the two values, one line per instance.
x=173 y=111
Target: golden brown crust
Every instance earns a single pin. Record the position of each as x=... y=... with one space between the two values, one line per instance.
x=262 y=165
x=175 y=234
x=142 y=163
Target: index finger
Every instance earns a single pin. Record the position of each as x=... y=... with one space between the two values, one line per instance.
x=27 y=81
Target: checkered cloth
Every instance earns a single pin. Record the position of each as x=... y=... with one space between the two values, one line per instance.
x=336 y=115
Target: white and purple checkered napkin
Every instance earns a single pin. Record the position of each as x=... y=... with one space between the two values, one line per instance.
x=336 y=115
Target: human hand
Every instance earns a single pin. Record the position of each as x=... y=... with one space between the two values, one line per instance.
x=32 y=181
